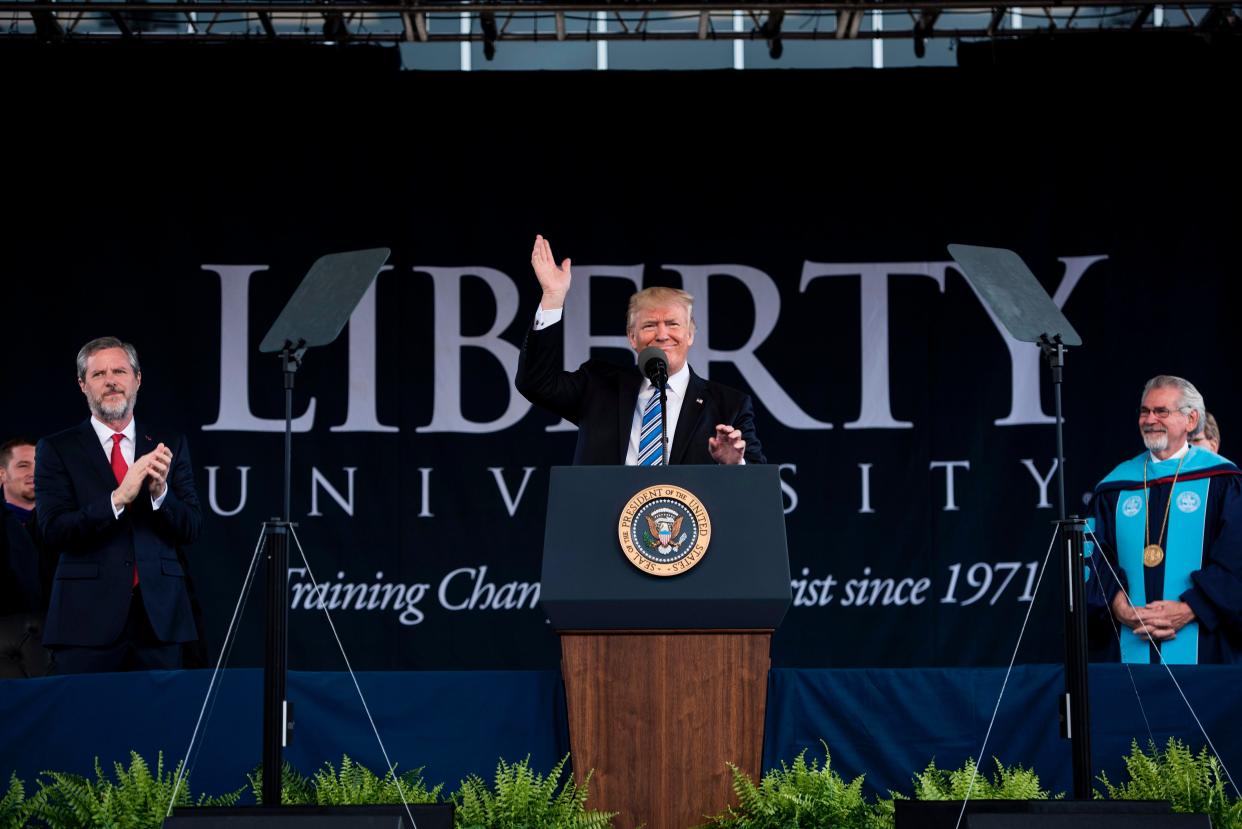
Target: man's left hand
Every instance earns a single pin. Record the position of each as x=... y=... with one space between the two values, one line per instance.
x=157 y=471
x=727 y=445
x=1172 y=613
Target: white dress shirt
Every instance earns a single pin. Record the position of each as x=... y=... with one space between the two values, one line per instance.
x=1185 y=448
x=676 y=394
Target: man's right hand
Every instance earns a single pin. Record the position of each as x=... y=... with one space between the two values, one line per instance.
x=554 y=281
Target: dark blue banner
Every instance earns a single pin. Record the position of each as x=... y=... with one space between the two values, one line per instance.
x=810 y=220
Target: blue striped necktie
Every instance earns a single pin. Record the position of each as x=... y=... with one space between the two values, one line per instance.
x=651 y=435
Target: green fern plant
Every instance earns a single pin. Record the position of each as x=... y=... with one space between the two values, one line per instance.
x=295 y=788
x=934 y=783
x=1191 y=782
x=14 y=807
x=355 y=784
x=522 y=799
x=799 y=795
x=138 y=797
x=1012 y=783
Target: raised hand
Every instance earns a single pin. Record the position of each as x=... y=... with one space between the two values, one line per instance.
x=727 y=445
x=554 y=280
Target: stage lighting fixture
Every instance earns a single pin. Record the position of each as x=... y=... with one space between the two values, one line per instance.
x=334 y=27
x=487 y=22
x=47 y=27
x=771 y=32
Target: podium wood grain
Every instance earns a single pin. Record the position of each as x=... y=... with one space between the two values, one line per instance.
x=658 y=714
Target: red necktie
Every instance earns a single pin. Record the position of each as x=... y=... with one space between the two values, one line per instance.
x=119 y=468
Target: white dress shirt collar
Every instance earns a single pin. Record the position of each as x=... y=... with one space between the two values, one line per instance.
x=105 y=432
x=1185 y=448
x=677 y=384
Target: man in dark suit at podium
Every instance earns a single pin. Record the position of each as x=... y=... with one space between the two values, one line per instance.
x=115 y=504
x=618 y=410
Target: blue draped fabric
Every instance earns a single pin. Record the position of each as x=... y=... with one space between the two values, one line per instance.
x=889 y=723
x=452 y=723
x=886 y=723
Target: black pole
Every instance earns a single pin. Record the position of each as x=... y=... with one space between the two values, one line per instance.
x=664 y=419
x=1056 y=360
x=276 y=711
x=275 y=660
x=291 y=362
x=1075 y=706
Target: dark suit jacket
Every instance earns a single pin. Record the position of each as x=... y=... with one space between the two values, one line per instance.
x=90 y=595
x=21 y=588
x=600 y=398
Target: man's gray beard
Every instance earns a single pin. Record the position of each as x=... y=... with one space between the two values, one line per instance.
x=1156 y=441
x=111 y=414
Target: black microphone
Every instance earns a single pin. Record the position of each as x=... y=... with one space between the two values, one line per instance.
x=653 y=363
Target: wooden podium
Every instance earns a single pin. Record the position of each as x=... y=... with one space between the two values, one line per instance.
x=665 y=677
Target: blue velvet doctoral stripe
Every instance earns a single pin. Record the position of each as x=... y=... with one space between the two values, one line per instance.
x=1183 y=546
x=1183 y=556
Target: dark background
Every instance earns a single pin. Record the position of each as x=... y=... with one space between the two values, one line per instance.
x=128 y=170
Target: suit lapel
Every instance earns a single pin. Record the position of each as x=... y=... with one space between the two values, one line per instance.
x=628 y=383
x=93 y=451
x=688 y=419
x=143 y=443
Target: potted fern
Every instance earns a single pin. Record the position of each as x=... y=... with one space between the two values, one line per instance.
x=804 y=794
x=1191 y=783
x=520 y=798
x=135 y=797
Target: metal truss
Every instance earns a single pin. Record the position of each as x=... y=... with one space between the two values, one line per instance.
x=394 y=21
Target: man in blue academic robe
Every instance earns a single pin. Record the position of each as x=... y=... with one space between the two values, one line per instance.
x=1165 y=573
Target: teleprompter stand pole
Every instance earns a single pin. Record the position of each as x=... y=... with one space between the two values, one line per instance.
x=1075 y=706
x=277 y=712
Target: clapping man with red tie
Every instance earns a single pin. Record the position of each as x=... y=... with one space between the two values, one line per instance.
x=116 y=502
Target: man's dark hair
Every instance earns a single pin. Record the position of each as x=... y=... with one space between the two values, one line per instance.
x=6 y=448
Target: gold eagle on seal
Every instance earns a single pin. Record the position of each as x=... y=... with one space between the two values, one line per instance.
x=664 y=533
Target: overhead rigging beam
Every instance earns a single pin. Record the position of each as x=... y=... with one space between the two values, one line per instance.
x=265 y=20
x=392 y=21
x=528 y=8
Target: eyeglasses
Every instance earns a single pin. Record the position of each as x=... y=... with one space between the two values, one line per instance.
x=1161 y=412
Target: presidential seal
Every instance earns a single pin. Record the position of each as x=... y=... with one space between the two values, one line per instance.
x=664 y=530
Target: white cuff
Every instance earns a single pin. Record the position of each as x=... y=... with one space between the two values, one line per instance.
x=545 y=317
